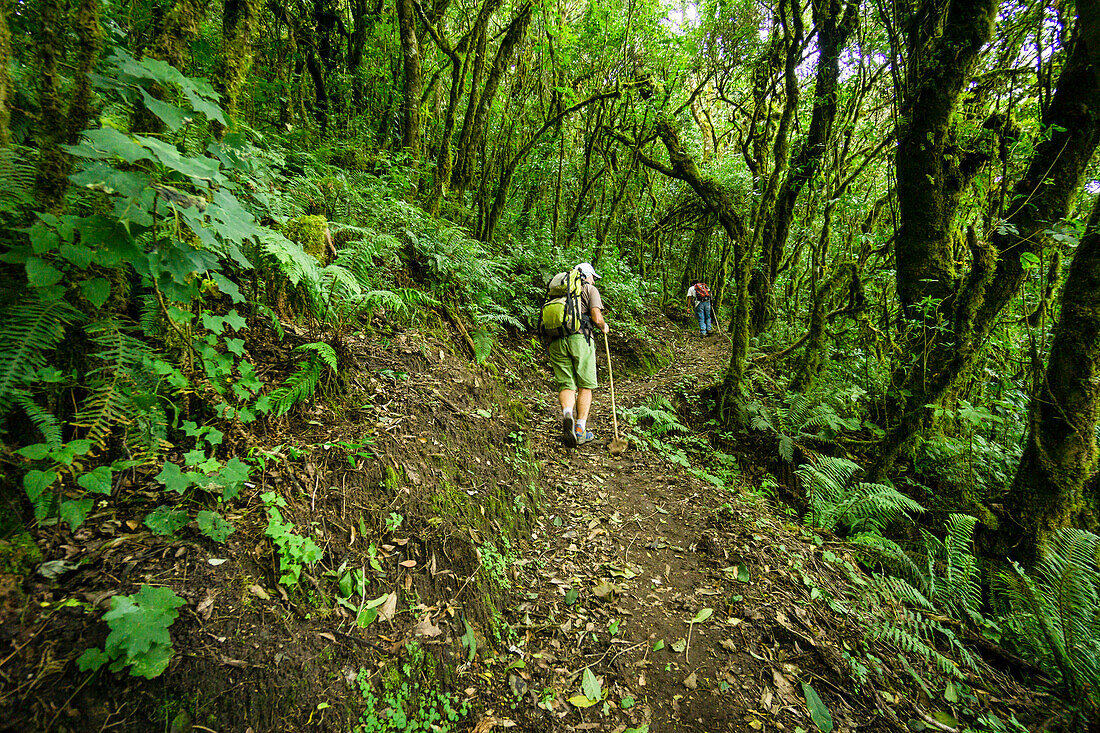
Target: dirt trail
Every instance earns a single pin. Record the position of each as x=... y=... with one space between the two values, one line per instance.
x=631 y=550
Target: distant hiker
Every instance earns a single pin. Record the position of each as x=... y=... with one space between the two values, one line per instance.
x=698 y=297
x=572 y=310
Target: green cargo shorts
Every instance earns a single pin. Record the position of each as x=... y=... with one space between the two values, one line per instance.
x=574 y=362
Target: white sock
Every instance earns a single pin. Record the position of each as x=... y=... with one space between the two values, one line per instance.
x=580 y=426
x=567 y=412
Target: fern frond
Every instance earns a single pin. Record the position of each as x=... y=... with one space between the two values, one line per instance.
x=1055 y=612
x=326 y=352
x=29 y=330
x=46 y=422
x=301 y=385
x=124 y=389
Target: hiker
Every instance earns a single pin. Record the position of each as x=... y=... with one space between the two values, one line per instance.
x=572 y=311
x=698 y=298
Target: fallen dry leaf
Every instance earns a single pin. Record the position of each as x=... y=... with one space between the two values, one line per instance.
x=425 y=627
x=389 y=608
x=691 y=682
x=259 y=592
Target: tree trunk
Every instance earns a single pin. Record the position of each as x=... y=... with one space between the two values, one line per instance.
x=466 y=149
x=834 y=24
x=239 y=18
x=58 y=127
x=721 y=203
x=410 y=103
x=512 y=38
x=1060 y=451
x=5 y=81
x=930 y=291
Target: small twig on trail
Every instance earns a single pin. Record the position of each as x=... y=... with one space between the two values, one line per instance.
x=935 y=723
x=687 y=650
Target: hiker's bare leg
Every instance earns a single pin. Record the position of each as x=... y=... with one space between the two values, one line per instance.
x=584 y=403
x=568 y=398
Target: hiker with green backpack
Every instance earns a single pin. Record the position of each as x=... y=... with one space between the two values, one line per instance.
x=573 y=309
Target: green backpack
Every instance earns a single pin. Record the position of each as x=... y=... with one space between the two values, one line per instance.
x=561 y=314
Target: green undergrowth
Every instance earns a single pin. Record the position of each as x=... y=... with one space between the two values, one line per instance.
x=409 y=694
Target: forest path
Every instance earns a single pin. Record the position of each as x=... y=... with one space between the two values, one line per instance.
x=629 y=551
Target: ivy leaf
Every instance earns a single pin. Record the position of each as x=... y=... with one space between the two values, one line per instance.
x=96 y=290
x=165 y=521
x=214 y=526
x=173 y=478
x=41 y=274
x=75 y=511
x=97 y=481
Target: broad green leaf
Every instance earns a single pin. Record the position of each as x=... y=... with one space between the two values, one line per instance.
x=173 y=478
x=366 y=617
x=105 y=143
x=743 y=573
x=77 y=254
x=375 y=603
x=818 y=712
x=36 y=482
x=679 y=646
x=469 y=641
x=92 y=659
x=581 y=701
x=97 y=481
x=75 y=511
x=659 y=645
x=35 y=451
x=41 y=274
x=214 y=526
x=97 y=290
x=571 y=596
x=626 y=703
x=165 y=521
x=169 y=114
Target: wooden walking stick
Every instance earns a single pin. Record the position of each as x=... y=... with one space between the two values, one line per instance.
x=618 y=445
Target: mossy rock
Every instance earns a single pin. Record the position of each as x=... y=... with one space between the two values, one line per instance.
x=19 y=554
x=309 y=231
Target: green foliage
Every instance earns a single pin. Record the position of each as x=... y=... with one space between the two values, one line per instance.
x=837 y=500
x=139 y=637
x=495 y=563
x=294 y=550
x=306 y=378
x=407 y=700
x=1054 y=614
x=806 y=420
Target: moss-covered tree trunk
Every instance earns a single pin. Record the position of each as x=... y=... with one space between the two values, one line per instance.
x=410 y=100
x=5 y=80
x=720 y=201
x=949 y=317
x=61 y=124
x=695 y=264
x=834 y=23
x=239 y=21
x=478 y=41
x=1060 y=451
